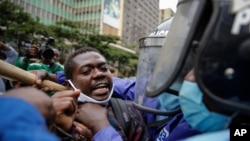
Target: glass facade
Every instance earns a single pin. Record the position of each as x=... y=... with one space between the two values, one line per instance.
x=136 y=18
x=50 y=11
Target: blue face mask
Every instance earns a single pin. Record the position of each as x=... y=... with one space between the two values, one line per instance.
x=196 y=113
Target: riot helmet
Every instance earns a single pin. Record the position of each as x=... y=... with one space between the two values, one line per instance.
x=220 y=29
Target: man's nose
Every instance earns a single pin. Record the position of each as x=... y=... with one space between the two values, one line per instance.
x=98 y=73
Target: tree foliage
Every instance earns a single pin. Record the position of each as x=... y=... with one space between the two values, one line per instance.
x=20 y=25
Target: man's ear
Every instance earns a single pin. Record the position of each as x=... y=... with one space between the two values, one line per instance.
x=69 y=85
x=66 y=83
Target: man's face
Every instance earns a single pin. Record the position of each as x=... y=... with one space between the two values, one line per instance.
x=92 y=76
x=33 y=51
x=56 y=55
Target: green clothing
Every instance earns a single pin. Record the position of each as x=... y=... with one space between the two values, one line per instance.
x=49 y=68
x=21 y=63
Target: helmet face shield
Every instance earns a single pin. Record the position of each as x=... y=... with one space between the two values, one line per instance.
x=154 y=41
x=150 y=49
x=223 y=65
x=176 y=45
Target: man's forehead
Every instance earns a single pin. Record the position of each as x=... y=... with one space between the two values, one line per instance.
x=90 y=58
x=90 y=55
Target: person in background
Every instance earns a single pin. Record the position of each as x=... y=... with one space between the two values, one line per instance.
x=57 y=56
x=30 y=55
x=47 y=62
x=10 y=56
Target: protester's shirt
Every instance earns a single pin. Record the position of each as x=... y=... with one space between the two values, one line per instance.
x=124 y=88
x=137 y=130
x=55 y=67
x=21 y=121
x=21 y=63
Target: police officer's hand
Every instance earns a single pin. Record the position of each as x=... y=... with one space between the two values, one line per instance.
x=65 y=105
x=93 y=116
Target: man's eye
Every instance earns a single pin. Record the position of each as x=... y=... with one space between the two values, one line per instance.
x=104 y=69
x=85 y=72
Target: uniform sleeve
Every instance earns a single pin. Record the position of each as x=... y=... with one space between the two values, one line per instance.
x=124 y=88
x=21 y=121
x=60 y=77
x=108 y=134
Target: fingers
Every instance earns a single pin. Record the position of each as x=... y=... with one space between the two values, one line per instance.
x=39 y=82
x=67 y=93
x=76 y=93
x=65 y=104
x=65 y=101
x=83 y=130
x=47 y=89
x=41 y=75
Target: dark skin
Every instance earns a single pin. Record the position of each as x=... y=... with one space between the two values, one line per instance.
x=92 y=76
x=95 y=121
x=41 y=75
x=32 y=51
x=65 y=106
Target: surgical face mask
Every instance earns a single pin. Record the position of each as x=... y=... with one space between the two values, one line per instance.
x=84 y=98
x=196 y=113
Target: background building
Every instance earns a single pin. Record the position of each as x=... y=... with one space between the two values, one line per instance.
x=140 y=17
x=164 y=14
x=128 y=19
